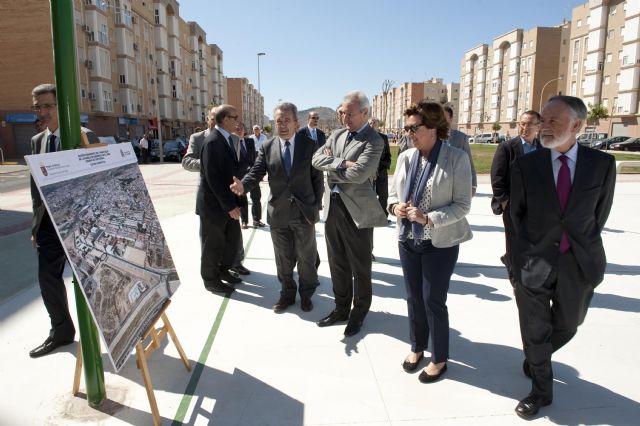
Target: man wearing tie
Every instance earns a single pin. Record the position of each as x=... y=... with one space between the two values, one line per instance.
x=311 y=129
x=351 y=157
x=51 y=255
x=560 y=201
x=217 y=206
x=293 y=207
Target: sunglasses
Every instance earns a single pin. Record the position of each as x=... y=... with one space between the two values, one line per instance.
x=412 y=129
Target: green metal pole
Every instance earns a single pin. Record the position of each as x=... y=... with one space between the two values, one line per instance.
x=64 y=55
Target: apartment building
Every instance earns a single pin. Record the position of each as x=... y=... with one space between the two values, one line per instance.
x=389 y=107
x=247 y=100
x=604 y=65
x=139 y=66
x=515 y=73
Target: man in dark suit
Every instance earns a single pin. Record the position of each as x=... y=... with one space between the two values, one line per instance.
x=293 y=207
x=311 y=129
x=351 y=157
x=382 y=175
x=506 y=154
x=248 y=155
x=560 y=201
x=217 y=206
x=51 y=255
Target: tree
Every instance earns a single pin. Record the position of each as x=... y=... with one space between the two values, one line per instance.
x=268 y=128
x=496 y=126
x=596 y=112
x=386 y=88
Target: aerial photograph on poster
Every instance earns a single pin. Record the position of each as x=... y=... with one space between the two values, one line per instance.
x=103 y=214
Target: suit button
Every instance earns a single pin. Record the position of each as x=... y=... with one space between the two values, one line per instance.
x=557 y=244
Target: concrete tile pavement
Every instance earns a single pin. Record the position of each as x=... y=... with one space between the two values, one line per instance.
x=252 y=366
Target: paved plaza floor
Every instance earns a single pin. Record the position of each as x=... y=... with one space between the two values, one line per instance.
x=254 y=367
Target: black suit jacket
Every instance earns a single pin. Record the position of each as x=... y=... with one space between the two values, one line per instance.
x=218 y=165
x=539 y=222
x=246 y=161
x=385 y=158
x=304 y=186
x=506 y=154
x=322 y=138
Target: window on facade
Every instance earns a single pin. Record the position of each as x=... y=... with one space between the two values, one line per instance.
x=576 y=47
x=573 y=88
x=611 y=33
x=574 y=68
x=103 y=35
x=607 y=79
x=609 y=57
x=157 y=17
x=605 y=102
x=618 y=78
x=579 y=23
x=613 y=10
x=123 y=80
x=174 y=92
x=625 y=60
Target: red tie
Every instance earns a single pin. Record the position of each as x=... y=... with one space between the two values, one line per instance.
x=563 y=186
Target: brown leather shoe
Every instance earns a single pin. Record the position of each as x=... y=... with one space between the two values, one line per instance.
x=282 y=305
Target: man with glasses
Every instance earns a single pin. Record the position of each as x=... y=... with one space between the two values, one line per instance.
x=503 y=160
x=311 y=129
x=51 y=255
x=351 y=157
x=217 y=206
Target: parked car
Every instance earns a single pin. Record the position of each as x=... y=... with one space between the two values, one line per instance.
x=628 y=145
x=173 y=150
x=587 y=139
x=606 y=143
x=483 y=138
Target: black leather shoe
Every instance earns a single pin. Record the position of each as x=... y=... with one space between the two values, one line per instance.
x=282 y=305
x=47 y=347
x=258 y=224
x=529 y=406
x=332 y=318
x=305 y=304
x=229 y=277
x=411 y=366
x=244 y=225
x=217 y=286
x=525 y=368
x=353 y=327
x=425 y=377
x=241 y=270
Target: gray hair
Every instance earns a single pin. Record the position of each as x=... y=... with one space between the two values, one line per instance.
x=43 y=89
x=357 y=96
x=576 y=105
x=223 y=111
x=255 y=126
x=287 y=106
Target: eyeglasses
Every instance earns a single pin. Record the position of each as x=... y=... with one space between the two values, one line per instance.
x=43 y=106
x=528 y=124
x=412 y=129
x=315 y=118
x=233 y=117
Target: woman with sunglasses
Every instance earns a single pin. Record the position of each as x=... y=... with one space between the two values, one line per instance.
x=430 y=195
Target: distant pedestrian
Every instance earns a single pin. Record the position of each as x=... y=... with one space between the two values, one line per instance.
x=144 y=149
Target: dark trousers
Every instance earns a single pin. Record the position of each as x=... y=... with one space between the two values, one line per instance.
x=220 y=239
x=427 y=271
x=295 y=243
x=144 y=153
x=256 y=207
x=349 y=252
x=549 y=318
x=51 y=261
x=382 y=189
x=239 y=258
x=508 y=236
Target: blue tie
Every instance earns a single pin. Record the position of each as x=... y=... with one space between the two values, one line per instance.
x=286 y=159
x=52 y=143
x=243 y=150
x=350 y=137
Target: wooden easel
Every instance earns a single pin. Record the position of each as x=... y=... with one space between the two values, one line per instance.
x=143 y=353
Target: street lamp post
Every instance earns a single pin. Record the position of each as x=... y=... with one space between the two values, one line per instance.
x=544 y=87
x=259 y=54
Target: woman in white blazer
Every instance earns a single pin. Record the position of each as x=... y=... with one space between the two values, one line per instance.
x=430 y=194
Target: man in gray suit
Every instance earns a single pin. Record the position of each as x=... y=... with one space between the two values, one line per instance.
x=351 y=157
x=294 y=204
x=460 y=140
x=191 y=162
x=51 y=254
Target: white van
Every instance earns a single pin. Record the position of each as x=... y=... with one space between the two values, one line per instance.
x=587 y=139
x=483 y=138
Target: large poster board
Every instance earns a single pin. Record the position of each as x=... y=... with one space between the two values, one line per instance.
x=104 y=217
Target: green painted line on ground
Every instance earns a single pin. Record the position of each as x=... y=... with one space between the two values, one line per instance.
x=199 y=367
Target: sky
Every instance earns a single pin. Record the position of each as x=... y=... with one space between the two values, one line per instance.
x=317 y=51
